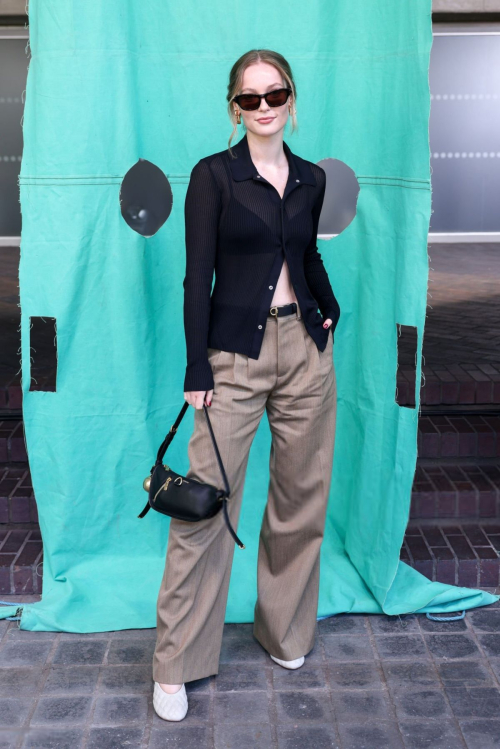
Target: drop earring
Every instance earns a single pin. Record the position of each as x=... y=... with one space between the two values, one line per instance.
x=238 y=117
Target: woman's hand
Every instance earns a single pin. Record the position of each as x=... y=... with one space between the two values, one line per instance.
x=327 y=323
x=199 y=398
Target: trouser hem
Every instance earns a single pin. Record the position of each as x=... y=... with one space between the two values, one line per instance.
x=278 y=652
x=166 y=676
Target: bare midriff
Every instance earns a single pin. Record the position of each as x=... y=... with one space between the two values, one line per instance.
x=284 y=293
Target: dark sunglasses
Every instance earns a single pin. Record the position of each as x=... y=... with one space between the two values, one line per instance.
x=275 y=98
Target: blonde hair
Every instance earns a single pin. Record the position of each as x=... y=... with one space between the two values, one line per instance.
x=236 y=80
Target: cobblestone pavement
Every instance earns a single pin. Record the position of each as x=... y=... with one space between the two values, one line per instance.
x=371 y=682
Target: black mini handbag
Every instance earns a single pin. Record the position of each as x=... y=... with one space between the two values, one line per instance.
x=182 y=498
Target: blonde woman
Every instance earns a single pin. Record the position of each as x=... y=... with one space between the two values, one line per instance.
x=256 y=343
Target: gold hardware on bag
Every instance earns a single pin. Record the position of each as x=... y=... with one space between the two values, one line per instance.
x=275 y=314
x=146 y=484
x=179 y=480
x=163 y=486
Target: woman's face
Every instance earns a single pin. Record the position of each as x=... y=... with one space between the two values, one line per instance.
x=260 y=78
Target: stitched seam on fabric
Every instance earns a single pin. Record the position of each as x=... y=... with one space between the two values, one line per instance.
x=89 y=179
x=385 y=176
x=406 y=182
x=406 y=187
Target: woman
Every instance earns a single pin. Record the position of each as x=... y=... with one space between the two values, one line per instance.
x=256 y=343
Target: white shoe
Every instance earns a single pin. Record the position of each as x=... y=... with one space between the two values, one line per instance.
x=170 y=706
x=297 y=663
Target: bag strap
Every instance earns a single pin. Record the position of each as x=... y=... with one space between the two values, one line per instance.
x=219 y=459
x=168 y=439
x=170 y=436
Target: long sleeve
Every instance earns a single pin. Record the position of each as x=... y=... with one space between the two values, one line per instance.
x=201 y=211
x=314 y=270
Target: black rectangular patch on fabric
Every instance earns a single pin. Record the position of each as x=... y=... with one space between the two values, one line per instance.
x=43 y=353
x=407 y=340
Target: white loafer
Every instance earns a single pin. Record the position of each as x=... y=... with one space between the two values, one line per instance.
x=297 y=663
x=170 y=706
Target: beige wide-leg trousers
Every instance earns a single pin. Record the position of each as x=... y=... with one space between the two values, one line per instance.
x=296 y=384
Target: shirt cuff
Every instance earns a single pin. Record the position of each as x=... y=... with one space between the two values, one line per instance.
x=333 y=315
x=199 y=377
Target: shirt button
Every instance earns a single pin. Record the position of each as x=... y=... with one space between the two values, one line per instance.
x=297 y=180
x=260 y=327
x=270 y=287
x=258 y=176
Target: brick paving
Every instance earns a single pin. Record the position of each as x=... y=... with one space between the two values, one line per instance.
x=465 y=554
x=371 y=682
x=467 y=490
x=464 y=384
x=21 y=560
x=462 y=436
x=12 y=443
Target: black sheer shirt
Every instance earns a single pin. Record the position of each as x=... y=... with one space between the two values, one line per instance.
x=237 y=225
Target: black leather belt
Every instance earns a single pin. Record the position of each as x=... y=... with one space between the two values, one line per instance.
x=284 y=309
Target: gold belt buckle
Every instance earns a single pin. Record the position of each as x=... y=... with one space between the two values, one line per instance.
x=273 y=312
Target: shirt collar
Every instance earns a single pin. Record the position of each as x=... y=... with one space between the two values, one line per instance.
x=243 y=167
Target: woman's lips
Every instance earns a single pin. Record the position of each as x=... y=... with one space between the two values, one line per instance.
x=266 y=119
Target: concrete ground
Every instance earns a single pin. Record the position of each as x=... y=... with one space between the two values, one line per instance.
x=371 y=682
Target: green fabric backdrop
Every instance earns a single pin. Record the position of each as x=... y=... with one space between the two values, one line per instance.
x=111 y=83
